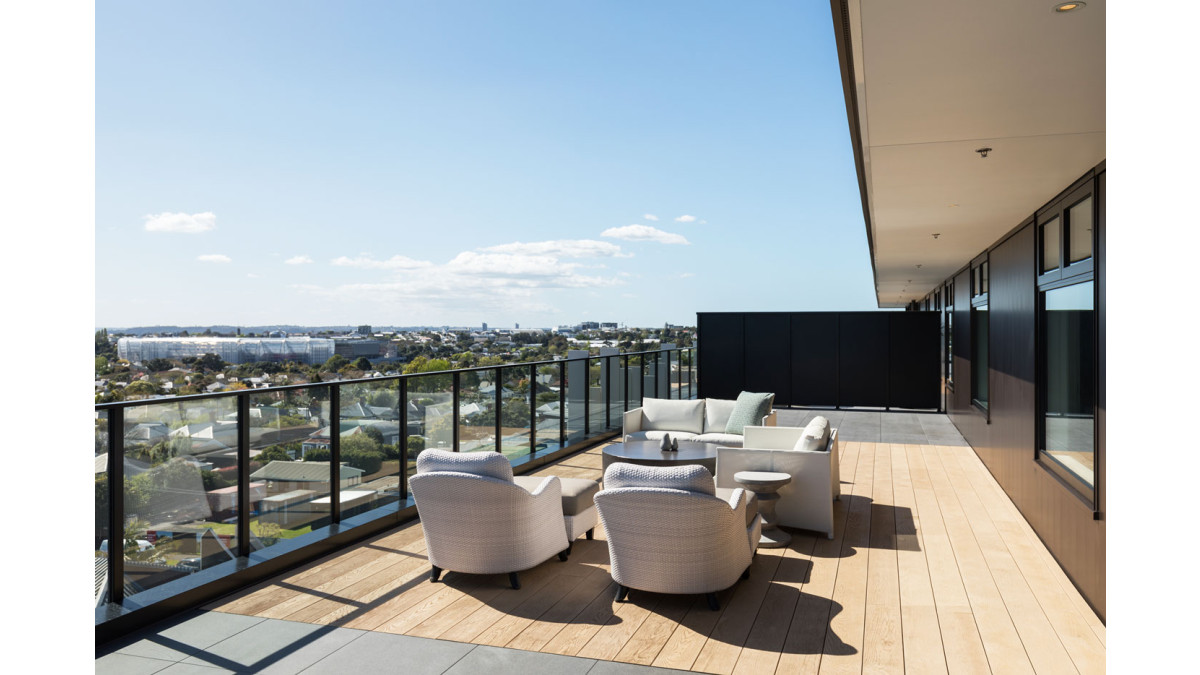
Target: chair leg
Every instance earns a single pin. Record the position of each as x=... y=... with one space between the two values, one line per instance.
x=569 y=545
x=591 y=534
x=562 y=555
x=514 y=580
x=712 y=601
x=622 y=592
x=435 y=574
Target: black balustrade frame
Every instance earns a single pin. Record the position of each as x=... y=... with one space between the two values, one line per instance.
x=112 y=623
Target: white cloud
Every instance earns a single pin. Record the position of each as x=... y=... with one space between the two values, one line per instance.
x=190 y=223
x=687 y=275
x=214 y=258
x=298 y=260
x=644 y=233
x=685 y=219
x=396 y=262
x=650 y=216
x=252 y=275
x=562 y=248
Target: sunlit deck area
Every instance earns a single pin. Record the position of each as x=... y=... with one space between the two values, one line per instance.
x=931 y=569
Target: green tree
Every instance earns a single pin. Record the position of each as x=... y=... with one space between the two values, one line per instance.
x=210 y=363
x=275 y=453
x=361 y=363
x=101 y=365
x=213 y=480
x=158 y=365
x=140 y=388
x=318 y=454
x=415 y=445
x=334 y=364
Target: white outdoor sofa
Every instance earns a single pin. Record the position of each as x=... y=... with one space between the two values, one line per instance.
x=808 y=454
x=702 y=420
x=478 y=520
x=670 y=531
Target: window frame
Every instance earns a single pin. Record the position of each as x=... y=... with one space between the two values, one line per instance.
x=980 y=285
x=1067 y=274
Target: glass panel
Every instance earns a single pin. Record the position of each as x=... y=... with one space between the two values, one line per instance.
x=546 y=410
x=983 y=273
x=979 y=355
x=650 y=377
x=290 y=433
x=430 y=413
x=514 y=412
x=950 y=346
x=370 y=444
x=596 y=394
x=477 y=411
x=616 y=384
x=101 y=472
x=1070 y=379
x=1080 y=219
x=635 y=382
x=181 y=490
x=576 y=388
x=1051 y=244
x=672 y=360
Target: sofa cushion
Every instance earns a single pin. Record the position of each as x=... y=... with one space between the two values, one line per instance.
x=751 y=504
x=658 y=435
x=667 y=415
x=687 y=477
x=491 y=464
x=577 y=493
x=716 y=414
x=749 y=410
x=815 y=437
x=722 y=439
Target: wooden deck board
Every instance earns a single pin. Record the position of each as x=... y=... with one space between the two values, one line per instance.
x=931 y=569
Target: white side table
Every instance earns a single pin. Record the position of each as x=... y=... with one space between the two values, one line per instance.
x=765 y=485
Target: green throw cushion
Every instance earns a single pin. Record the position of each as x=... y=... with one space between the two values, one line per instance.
x=749 y=411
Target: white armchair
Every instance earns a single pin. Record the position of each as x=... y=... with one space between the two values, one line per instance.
x=478 y=521
x=806 y=502
x=668 y=532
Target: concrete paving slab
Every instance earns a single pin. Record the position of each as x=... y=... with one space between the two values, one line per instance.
x=384 y=652
x=485 y=659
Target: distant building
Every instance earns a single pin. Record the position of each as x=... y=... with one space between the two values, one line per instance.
x=485 y=325
x=608 y=325
x=232 y=350
x=364 y=330
x=353 y=347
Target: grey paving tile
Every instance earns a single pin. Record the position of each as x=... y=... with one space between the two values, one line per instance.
x=126 y=664
x=895 y=437
x=316 y=649
x=194 y=669
x=484 y=659
x=261 y=645
x=384 y=652
x=182 y=639
x=618 y=668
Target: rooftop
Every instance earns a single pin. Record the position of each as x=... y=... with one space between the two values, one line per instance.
x=931 y=569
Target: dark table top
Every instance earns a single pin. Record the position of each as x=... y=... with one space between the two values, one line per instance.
x=689 y=451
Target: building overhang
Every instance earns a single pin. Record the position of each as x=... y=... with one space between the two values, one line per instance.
x=928 y=83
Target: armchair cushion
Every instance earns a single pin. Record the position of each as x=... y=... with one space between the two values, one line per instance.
x=748 y=410
x=815 y=437
x=668 y=415
x=716 y=414
x=688 y=477
x=491 y=464
x=734 y=440
x=657 y=435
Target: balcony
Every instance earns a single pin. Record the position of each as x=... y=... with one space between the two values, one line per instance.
x=931 y=569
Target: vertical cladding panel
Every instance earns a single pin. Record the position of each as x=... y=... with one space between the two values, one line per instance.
x=768 y=351
x=1100 y=573
x=863 y=367
x=721 y=357
x=814 y=338
x=913 y=362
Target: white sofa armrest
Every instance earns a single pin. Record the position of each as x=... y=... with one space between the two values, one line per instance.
x=631 y=421
x=806 y=502
x=772 y=437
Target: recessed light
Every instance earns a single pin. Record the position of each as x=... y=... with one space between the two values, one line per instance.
x=1069 y=6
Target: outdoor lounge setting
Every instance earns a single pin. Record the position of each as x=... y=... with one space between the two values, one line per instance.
x=779 y=487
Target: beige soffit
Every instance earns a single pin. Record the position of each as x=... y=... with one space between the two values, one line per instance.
x=928 y=82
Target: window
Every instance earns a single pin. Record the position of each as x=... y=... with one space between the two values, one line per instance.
x=1065 y=237
x=1079 y=220
x=979 y=335
x=949 y=337
x=1051 y=235
x=1068 y=383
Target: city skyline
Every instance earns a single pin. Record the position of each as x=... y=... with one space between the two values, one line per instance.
x=428 y=165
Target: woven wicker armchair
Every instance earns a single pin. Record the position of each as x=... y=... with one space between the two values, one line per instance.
x=478 y=521
x=668 y=532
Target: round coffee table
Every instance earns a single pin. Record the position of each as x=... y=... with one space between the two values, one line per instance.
x=647 y=453
x=765 y=484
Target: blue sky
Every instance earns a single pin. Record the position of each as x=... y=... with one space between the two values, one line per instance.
x=402 y=163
